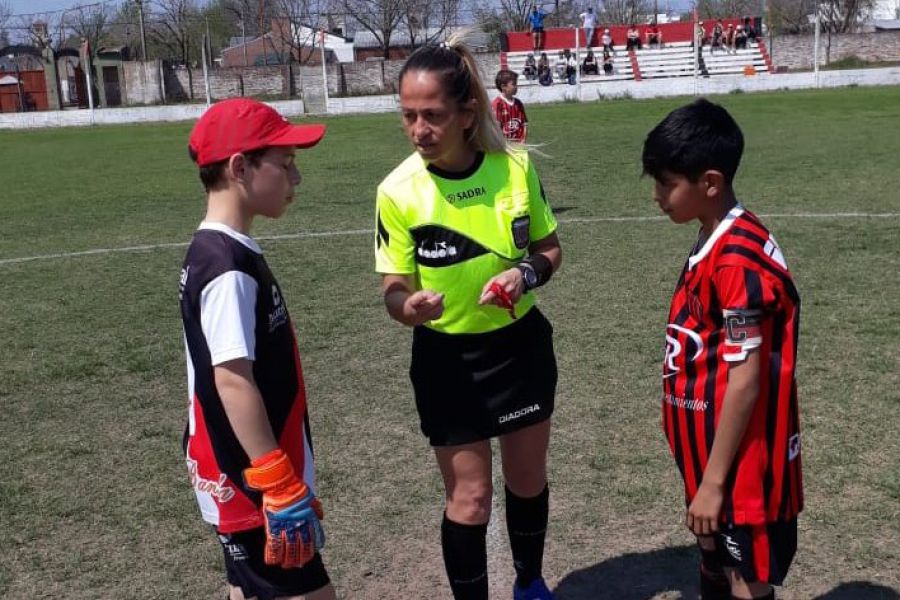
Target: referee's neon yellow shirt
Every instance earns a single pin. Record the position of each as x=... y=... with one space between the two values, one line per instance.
x=456 y=231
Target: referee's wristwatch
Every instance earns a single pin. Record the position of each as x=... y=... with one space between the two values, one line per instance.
x=529 y=276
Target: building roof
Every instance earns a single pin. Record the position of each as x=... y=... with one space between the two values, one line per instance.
x=400 y=38
x=887 y=25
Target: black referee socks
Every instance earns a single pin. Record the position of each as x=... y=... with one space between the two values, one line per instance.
x=526 y=523
x=465 y=558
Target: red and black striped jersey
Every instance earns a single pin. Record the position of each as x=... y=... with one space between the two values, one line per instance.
x=736 y=295
x=511 y=116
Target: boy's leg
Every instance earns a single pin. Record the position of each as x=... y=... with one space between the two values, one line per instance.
x=714 y=584
x=250 y=577
x=325 y=593
x=756 y=557
x=524 y=455
x=466 y=470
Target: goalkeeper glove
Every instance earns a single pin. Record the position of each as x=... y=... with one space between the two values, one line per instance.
x=291 y=511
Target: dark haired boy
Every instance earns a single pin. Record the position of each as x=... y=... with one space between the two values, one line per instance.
x=247 y=444
x=730 y=410
x=508 y=109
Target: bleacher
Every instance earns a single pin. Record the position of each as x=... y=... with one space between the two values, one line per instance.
x=622 y=69
x=674 y=59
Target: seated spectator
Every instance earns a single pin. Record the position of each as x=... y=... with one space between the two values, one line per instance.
x=571 y=67
x=634 y=39
x=718 y=35
x=530 y=69
x=607 y=41
x=559 y=66
x=700 y=35
x=654 y=35
x=607 y=63
x=729 y=38
x=749 y=29
x=740 y=38
x=590 y=66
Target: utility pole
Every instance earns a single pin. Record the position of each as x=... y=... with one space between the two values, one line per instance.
x=244 y=37
x=140 y=6
x=208 y=42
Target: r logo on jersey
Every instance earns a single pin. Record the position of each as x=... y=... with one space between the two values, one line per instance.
x=674 y=348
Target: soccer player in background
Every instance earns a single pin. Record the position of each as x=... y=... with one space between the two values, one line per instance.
x=730 y=410
x=508 y=109
x=247 y=443
x=464 y=235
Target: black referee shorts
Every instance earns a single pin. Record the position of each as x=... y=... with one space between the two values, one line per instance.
x=472 y=387
x=246 y=568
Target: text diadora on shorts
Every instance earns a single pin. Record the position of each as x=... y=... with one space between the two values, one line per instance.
x=519 y=413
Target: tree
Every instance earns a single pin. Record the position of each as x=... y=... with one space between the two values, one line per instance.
x=5 y=14
x=723 y=9
x=89 y=22
x=380 y=17
x=175 y=27
x=426 y=21
x=299 y=23
x=625 y=12
x=791 y=16
x=841 y=16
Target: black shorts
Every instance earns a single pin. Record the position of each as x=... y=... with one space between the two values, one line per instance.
x=472 y=387
x=247 y=569
x=760 y=552
x=537 y=30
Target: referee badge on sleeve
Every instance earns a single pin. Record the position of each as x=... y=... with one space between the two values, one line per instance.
x=520 y=228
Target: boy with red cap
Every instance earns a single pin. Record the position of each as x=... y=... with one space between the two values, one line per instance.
x=247 y=443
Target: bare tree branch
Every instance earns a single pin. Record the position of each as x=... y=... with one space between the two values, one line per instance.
x=625 y=12
x=380 y=17
x=89 y=22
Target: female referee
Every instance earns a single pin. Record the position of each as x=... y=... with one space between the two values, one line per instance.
x=464 y=234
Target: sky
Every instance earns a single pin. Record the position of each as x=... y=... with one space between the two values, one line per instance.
x=36 y=6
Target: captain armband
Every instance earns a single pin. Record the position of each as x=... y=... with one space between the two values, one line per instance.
x=536 y=270
x=743 y=333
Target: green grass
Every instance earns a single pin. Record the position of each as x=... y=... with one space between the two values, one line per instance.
x=94 y=500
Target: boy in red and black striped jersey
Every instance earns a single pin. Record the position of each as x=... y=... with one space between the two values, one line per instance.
x=729 y=405
x=509 y=110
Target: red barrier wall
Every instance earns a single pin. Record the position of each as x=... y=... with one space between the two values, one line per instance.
x=559 y=39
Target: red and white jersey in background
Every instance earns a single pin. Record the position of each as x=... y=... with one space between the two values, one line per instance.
x=736 y=295
x=511 y=116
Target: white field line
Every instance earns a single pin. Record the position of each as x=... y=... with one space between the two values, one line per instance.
x=351 y=232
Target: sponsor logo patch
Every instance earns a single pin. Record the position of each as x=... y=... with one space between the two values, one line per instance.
x=518 y=414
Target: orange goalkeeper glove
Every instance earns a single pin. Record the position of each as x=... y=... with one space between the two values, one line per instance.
x=291 y=511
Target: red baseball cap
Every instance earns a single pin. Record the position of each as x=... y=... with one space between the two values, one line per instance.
x=241 y=125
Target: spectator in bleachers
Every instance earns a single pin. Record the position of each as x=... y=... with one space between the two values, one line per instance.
x=536 y=22
x=749 y=29
x=588 y=23
x=530 y=70
x=729 y=38
x=509 y=110
x=590 y=66
x=608 y=67
x=608 y=43
x=571 y=67
x=718 y=35
x=633 y=41
x=700 y=36
x=654 y=35
x=740 y=38
x=545 y=75
x=559 y=67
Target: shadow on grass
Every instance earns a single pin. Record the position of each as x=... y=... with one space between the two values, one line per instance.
x=635 y=576
x=860 y=590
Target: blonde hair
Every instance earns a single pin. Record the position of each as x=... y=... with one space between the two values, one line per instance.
x=454 y=63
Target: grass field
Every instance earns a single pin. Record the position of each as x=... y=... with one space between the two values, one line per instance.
x=94 y=499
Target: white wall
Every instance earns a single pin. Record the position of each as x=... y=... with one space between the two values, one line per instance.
x=110 y=116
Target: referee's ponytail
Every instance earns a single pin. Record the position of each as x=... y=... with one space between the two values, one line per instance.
x=453 y=62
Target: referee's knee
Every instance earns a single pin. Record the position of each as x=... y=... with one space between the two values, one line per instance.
x=470 y=505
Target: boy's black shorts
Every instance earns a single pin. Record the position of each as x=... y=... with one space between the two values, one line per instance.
x=760 y=552
x=473 y=387
x=246 y=568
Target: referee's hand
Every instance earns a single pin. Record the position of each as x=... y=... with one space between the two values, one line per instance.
x=422 y=306
x=510 y=280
